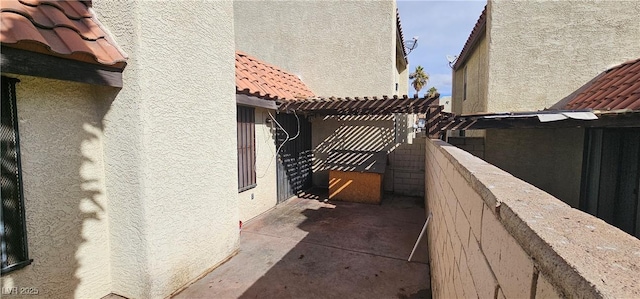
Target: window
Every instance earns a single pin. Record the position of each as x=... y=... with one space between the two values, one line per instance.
x=464 y=84
x=13 y=230
x=246 y=148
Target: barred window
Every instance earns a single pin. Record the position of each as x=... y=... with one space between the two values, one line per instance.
x=13 y=243
x=246 y=148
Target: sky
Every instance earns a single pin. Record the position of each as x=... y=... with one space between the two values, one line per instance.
x=442 y=28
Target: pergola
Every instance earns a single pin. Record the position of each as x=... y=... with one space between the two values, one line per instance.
x=384 y=105
x=360 y=106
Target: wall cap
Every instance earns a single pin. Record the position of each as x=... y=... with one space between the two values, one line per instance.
x=582 y=256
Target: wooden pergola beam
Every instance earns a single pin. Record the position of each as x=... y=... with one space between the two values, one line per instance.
x=360 y=106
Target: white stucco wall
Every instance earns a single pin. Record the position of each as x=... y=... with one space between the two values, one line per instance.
x=170 y=144
x=264 y=194
x=337 y=48
x=542 y=51
x=64 y=192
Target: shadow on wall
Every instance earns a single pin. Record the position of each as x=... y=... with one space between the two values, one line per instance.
x=347 y=133
x=60 y=130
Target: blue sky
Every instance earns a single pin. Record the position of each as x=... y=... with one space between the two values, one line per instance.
x=443 y=27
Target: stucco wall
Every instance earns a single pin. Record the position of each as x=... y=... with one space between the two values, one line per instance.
x=492 y=235
x=477 y=82
x=550 y=159
x=337 y=48
x=542 y=51
x=64 y=193
x=405 y=162
x=264 y=194
x=447 y=103
x=402 y=70
x=170 y=144
x=476 y=66
x=357 y=133
x=537 y=53
x=403 y=81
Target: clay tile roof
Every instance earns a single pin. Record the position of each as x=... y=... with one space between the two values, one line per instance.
x=257 y=78
x=615 y=89
x=474 y=37
x=65 y=29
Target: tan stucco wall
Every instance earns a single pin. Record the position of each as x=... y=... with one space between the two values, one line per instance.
x=537 y=53
x=477 y=77
x=550 y=159
x=542 y=51
x=457 y=91
x=402 y=69
x=477 y=82
x=404 y=171
x=492 y=235
x=64 y=191
x=403 y=80
x=337 y=48
x=264 y=194
x=170 y=144
x=357 y=133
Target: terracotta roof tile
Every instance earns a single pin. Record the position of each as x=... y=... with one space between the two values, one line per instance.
x=73 y=9
x=474 y=37
x=615 y=89
x=60 y=28
x=260 y=79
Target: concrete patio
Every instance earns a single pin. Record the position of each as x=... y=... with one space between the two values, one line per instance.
x=312 y=248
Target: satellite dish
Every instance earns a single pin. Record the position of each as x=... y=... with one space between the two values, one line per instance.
x=411 y=45
x=452 y=60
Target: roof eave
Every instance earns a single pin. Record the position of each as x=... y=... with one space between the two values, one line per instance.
x=474 y=40
x=400 y=36
x=478 y=31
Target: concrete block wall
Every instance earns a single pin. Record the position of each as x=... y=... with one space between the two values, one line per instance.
x=405 y=169
x=550 y=159
x=492 y=235
x=473 y=145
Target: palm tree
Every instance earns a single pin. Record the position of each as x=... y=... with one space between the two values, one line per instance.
x=433 y=92
x=420 y=79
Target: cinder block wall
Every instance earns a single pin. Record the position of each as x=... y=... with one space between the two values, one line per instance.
x=405 y=171
x=473 y=145
x=492 y=235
